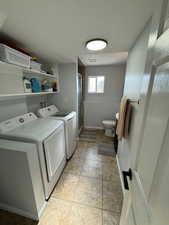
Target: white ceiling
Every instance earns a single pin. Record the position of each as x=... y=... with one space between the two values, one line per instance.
x=56 y=30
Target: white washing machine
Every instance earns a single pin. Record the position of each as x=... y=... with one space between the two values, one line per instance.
x=69 y=119
x=48 y=135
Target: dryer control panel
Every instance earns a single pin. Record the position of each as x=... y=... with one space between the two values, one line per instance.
x=47 y=111
x=16 y=122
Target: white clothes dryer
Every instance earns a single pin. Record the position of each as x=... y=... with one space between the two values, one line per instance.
x=69 y=119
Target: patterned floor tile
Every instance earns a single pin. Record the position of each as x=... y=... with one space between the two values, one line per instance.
x=112 y=203
x=111 y=187
x=65 y=189
x=83 y=215
x=90 y=185
x=110 y=172
x=74 y=167
x=112 y=196
x=56 y=213
x=92 y=163
x=89 y=198
x=90 y=171
x=110 y=218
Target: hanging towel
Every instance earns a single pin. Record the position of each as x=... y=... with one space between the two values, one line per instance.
x=120 y=124
x=127 y=120
x=124 y=118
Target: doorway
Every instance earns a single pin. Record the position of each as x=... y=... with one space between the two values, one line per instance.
x=81 y=92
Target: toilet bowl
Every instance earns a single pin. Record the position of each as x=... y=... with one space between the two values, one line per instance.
x=109 y=127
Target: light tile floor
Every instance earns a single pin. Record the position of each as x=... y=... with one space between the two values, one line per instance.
x=88 y=192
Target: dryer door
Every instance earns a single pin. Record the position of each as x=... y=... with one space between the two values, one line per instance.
x=54 y=148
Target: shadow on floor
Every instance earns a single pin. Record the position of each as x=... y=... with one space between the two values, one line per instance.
x=8 y=218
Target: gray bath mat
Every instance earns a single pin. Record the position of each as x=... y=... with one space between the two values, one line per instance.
x=105 y=148
x=88 y=135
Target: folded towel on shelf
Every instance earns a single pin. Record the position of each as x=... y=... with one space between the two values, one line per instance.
x=122 y=130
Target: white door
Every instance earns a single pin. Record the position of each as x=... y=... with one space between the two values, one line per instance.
x=148 y=201
x=54 y=148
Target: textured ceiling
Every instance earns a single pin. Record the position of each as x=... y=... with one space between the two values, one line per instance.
x=56 y=30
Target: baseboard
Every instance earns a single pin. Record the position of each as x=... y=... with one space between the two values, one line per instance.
x=120 y=173
x=22 y=212
x=94 y=128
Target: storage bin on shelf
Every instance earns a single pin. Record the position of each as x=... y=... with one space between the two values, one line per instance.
x=13 y=56
x=35 y=66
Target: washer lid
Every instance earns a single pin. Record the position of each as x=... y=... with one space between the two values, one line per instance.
x=36 y=130
x=52 y=111
x=62 y=114
x=65 y=118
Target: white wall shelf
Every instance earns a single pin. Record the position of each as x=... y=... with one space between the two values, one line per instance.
x=35 y=72
x=27 y=94
x=5 y=96
x=28 y=71
x=11 y=80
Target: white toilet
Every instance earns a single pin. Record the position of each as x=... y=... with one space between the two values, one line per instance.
x=109 y=127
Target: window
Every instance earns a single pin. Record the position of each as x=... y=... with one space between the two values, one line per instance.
x=96 y=84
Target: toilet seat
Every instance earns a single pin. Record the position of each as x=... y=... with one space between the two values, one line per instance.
x=109 y=126
x=109 y=123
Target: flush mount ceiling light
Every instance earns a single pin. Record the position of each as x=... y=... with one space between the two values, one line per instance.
x=96 y=44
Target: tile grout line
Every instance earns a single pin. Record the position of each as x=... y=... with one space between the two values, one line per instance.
x=80 y=175
x=78 y=203
x=82 y=204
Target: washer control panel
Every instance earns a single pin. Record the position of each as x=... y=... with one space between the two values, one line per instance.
x=16 y=122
